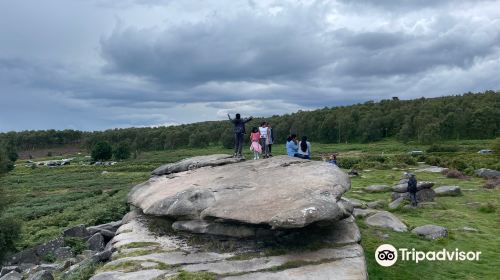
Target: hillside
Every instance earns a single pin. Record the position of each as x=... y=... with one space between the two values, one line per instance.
x=425 y=120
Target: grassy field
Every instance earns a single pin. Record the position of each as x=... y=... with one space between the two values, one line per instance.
x=47 y=200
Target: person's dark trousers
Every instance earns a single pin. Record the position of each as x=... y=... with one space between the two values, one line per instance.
x=265 y=151
x=238 y=143
x=270 y=148
x=301 y=156
x=413 y=198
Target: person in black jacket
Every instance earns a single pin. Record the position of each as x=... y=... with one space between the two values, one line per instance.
x=412 y=189
x=239 y=132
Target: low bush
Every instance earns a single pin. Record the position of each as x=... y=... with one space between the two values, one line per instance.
x=348 y=162
x=443 y=149
x=404 y=159
x=9 y=232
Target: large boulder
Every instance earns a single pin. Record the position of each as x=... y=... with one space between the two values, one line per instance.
x=282 y=192
x=386 y=220
x=195 y=162
x=49 y=247
x=96 y=242
x=448 y=191
x=79 y=231
x=487 y=173
x=430 y=232
x=25 y=256
x=400 y=188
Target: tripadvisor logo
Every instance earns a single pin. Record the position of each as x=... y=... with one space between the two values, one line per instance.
x=387 y=255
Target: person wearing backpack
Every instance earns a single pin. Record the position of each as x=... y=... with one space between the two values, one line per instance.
x=412 y=189
x=239 y=132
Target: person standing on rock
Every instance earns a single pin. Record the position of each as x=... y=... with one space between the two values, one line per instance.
x=264 y=136
x=239 y=132
x=270 y=140
x=255 y=146
x=412 y=189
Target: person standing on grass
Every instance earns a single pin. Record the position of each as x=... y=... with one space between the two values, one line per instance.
x=270 y=140
x=304 y=148
x=264 y=136
x=255 y=146
x=412 y=189
x=239 y=132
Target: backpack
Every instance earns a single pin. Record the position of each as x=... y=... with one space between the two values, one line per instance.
x=412 y=185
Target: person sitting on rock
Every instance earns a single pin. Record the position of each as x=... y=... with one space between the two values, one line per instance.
x=304 y=148
x=239 y=132
x=292 y=149
x=412 y=189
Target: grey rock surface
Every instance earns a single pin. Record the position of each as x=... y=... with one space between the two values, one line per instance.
x=386 y=220
x=194 y=163
x=396 y=203
x=49 y=247
x=487 y=173
x=210 y=193
x=8 y=269
x=430 y=232
x=96 y=242
x=41 y=275
x=448 y=191
x=77 y=231
x=377 y=188
x=13 y=275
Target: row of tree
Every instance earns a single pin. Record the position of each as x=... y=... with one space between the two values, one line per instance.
x=427 y=120
x=9 y=228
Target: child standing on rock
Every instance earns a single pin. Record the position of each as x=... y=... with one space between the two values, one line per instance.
x=255 y=146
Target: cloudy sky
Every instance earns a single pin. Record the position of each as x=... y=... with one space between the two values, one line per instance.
x=97 y=64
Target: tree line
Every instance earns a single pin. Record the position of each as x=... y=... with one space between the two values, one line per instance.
x=426 y=120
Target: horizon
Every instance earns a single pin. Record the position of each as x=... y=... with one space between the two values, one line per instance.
x=100 y=64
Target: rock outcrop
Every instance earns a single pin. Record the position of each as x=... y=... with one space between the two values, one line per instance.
x=220 y=215
x=281 y=192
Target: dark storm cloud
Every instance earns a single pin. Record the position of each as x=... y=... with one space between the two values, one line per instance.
x=244 y=47
x=144 y=62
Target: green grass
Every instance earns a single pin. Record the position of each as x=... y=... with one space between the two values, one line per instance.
x=47 y=200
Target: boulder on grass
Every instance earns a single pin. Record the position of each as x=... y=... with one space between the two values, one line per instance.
x=487 y=173
x=377 y=188
x=386 y=220
x=42 y=275
x=430 y=232
x=79 y=231
x=448 y=191
x=426 y=195
x=424 y=185
x=96 y=242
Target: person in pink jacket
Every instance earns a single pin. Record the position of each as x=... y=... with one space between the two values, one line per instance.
x=255 y=147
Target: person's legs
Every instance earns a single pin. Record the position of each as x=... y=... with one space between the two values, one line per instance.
x=263 y=145
x=240 y=143
x=413 y=197
x=236 y=143
x=270 y=148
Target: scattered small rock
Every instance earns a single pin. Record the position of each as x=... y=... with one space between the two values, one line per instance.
x=376 y=204
x=396 y=203
x=96 y=242
x=361 y=213
x=77 y=231
x=42 y=275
